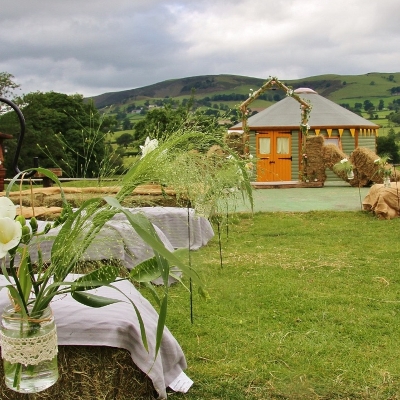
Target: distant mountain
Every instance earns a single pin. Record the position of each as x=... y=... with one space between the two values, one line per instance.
x=338 y=88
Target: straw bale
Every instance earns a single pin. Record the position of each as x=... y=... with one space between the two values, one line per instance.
x=144 y=195
x=91 y=373
x=366 y=170
x=314 y=167
x=333 y=155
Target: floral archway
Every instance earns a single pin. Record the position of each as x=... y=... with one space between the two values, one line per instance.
x=305 y=109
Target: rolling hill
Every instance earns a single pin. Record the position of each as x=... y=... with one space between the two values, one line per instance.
x=342 y=89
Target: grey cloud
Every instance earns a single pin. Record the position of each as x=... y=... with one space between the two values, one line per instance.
x=95 y=46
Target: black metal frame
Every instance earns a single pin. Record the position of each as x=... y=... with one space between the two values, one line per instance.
x=20 y=139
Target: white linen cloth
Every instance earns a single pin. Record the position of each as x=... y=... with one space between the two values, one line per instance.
x=177 y=223
x=116 y=325
x=118 y=240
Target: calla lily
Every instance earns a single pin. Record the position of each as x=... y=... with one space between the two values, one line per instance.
x=7 y=208
x=10 y=235
x=10 y=230
x=149 y=146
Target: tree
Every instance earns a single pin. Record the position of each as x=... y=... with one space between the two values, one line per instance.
x=394 y=117
x=7 y=85
x=387 y=146
x=161 y=122
x=368 y=106
x=125 y=140
x=126 y=124
x=62 y=131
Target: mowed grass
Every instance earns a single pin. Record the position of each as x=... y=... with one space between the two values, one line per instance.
x=305 y=306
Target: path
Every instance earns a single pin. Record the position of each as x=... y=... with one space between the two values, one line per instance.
x=335 y=196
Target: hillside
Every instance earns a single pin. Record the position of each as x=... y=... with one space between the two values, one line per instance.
x=338 y=88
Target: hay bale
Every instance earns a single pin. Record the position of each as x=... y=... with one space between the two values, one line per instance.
x=314 y=167
x=333 y=155
x=142 y=196
x=366 y=170
x=91 y=373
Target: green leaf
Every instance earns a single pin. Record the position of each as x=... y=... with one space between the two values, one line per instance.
x=17 y=299
x=161 y=322
x=100 y=277
x=24 y=277
x=92 y=300
x=146 y=271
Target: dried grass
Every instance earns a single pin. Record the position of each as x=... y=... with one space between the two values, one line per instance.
x=366 y=171
x=315 y=168
x=144 y=196
x=92 y=373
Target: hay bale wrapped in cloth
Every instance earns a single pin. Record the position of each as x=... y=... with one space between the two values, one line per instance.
x=383 y=201
x=100 y=339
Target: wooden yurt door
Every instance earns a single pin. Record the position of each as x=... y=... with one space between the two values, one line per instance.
x=274 y=156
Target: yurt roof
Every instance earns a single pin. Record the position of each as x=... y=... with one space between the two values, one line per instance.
x=285 y=114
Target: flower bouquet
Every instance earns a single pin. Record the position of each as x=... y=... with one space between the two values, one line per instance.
x=384 y=170
x=344 y=165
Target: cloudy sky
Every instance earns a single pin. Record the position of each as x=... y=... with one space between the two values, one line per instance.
x=96 y=46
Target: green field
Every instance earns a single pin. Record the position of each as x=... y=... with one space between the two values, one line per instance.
x=305 y=306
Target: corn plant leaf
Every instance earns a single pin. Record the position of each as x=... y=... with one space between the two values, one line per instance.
x=146 y=271
x=161 y=322
x=92 y=300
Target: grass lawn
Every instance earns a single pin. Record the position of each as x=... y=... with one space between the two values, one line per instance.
x=305 y=306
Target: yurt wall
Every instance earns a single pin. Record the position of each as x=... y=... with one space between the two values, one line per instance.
x=367 y=141
x=296 y=150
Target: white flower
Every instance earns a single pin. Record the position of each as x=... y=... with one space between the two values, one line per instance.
x=7 y=208
x=344 y=160
x=149 y=146
x=10 y=230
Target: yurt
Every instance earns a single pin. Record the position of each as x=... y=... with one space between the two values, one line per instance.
x=275 y=139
